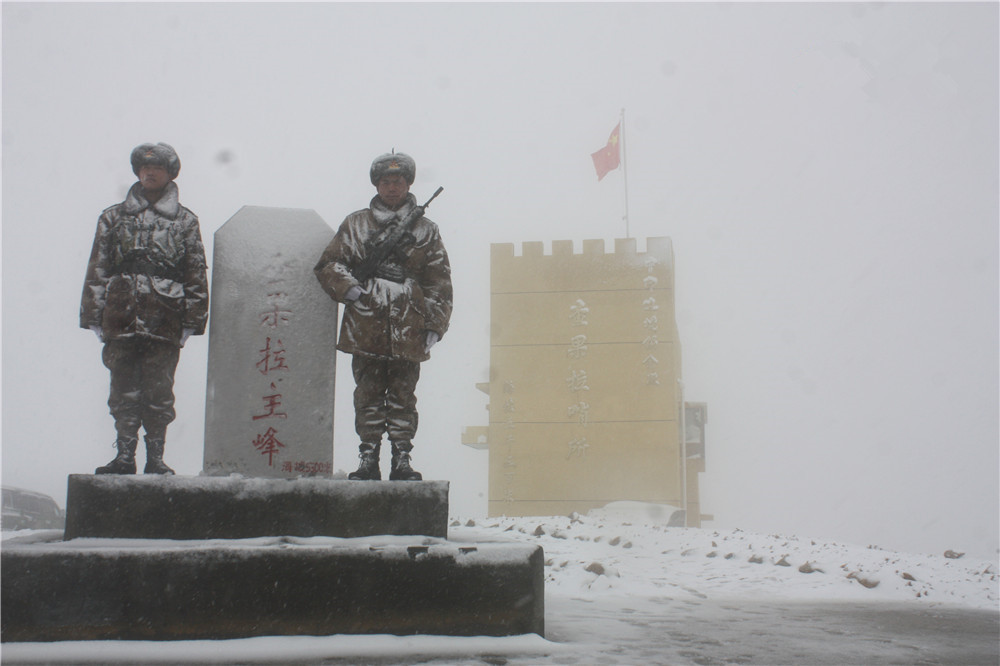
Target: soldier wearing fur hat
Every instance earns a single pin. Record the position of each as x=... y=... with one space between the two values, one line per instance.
x=392 y=319
x=145 y=293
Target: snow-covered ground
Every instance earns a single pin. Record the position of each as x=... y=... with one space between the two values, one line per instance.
x=626 y=549
x=623 y=588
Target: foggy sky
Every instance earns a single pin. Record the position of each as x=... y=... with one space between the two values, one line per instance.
x=827 y=172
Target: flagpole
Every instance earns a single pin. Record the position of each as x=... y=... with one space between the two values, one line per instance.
x=624 y=172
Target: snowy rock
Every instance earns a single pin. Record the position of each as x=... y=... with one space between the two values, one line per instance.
x=869 y=583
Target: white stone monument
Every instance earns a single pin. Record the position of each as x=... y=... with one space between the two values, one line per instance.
x=271 y=352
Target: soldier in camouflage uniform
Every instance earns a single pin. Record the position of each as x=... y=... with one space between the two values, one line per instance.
x=392 y=320
x=145 y=293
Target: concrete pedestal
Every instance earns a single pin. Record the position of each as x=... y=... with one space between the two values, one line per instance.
x=161 y=590
x=181 y=558
x=178 y=507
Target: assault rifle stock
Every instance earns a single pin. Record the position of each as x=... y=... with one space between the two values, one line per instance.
x=382 y=245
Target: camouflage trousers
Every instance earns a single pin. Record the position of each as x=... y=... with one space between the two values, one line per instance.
x=142 y=385
x=384 y=399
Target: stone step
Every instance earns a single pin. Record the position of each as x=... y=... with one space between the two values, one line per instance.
x=91 y=589
x=147 y=506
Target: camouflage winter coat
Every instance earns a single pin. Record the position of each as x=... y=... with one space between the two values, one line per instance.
x=393 y=315
x=146 y=276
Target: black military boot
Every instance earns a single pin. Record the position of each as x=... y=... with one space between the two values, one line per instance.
x=401 y=470
x=124 y=462
x=368 y=470
x=154 y=457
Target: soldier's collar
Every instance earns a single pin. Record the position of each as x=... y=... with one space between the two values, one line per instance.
x=168 y=205
x=382 y=213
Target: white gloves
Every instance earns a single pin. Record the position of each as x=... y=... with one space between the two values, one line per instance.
x=353 y=294
x=432 y=339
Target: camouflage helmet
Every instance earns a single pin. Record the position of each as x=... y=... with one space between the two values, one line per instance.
x=159 y=154
x=393 y=163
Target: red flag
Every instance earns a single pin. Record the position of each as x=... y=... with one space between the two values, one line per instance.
x=608 y=158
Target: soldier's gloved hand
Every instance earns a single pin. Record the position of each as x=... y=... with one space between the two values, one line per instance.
x=432 y=339
x=185 y=334
x=353 y=294
x=99 y=332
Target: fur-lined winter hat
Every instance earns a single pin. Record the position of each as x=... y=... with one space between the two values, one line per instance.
x=158 y=155
x=393 y=163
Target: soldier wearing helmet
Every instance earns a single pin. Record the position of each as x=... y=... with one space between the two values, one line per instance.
x=392 y=319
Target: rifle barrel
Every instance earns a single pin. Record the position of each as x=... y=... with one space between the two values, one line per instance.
x=433 y=196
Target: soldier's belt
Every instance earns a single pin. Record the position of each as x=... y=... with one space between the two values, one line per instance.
x=142 y=267
x=393 y=272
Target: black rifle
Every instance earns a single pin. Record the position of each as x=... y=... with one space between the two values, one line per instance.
x=380 y=247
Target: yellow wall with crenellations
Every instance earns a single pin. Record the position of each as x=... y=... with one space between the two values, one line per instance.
x=584 y=379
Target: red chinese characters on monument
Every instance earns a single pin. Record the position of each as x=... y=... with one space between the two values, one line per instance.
x=308 y=468
x=276 y=319
x=271 y=361
x=271 y=404
x=268 y=444
x=272 y=357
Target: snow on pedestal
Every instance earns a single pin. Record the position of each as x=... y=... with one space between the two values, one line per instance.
x=271 y=356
